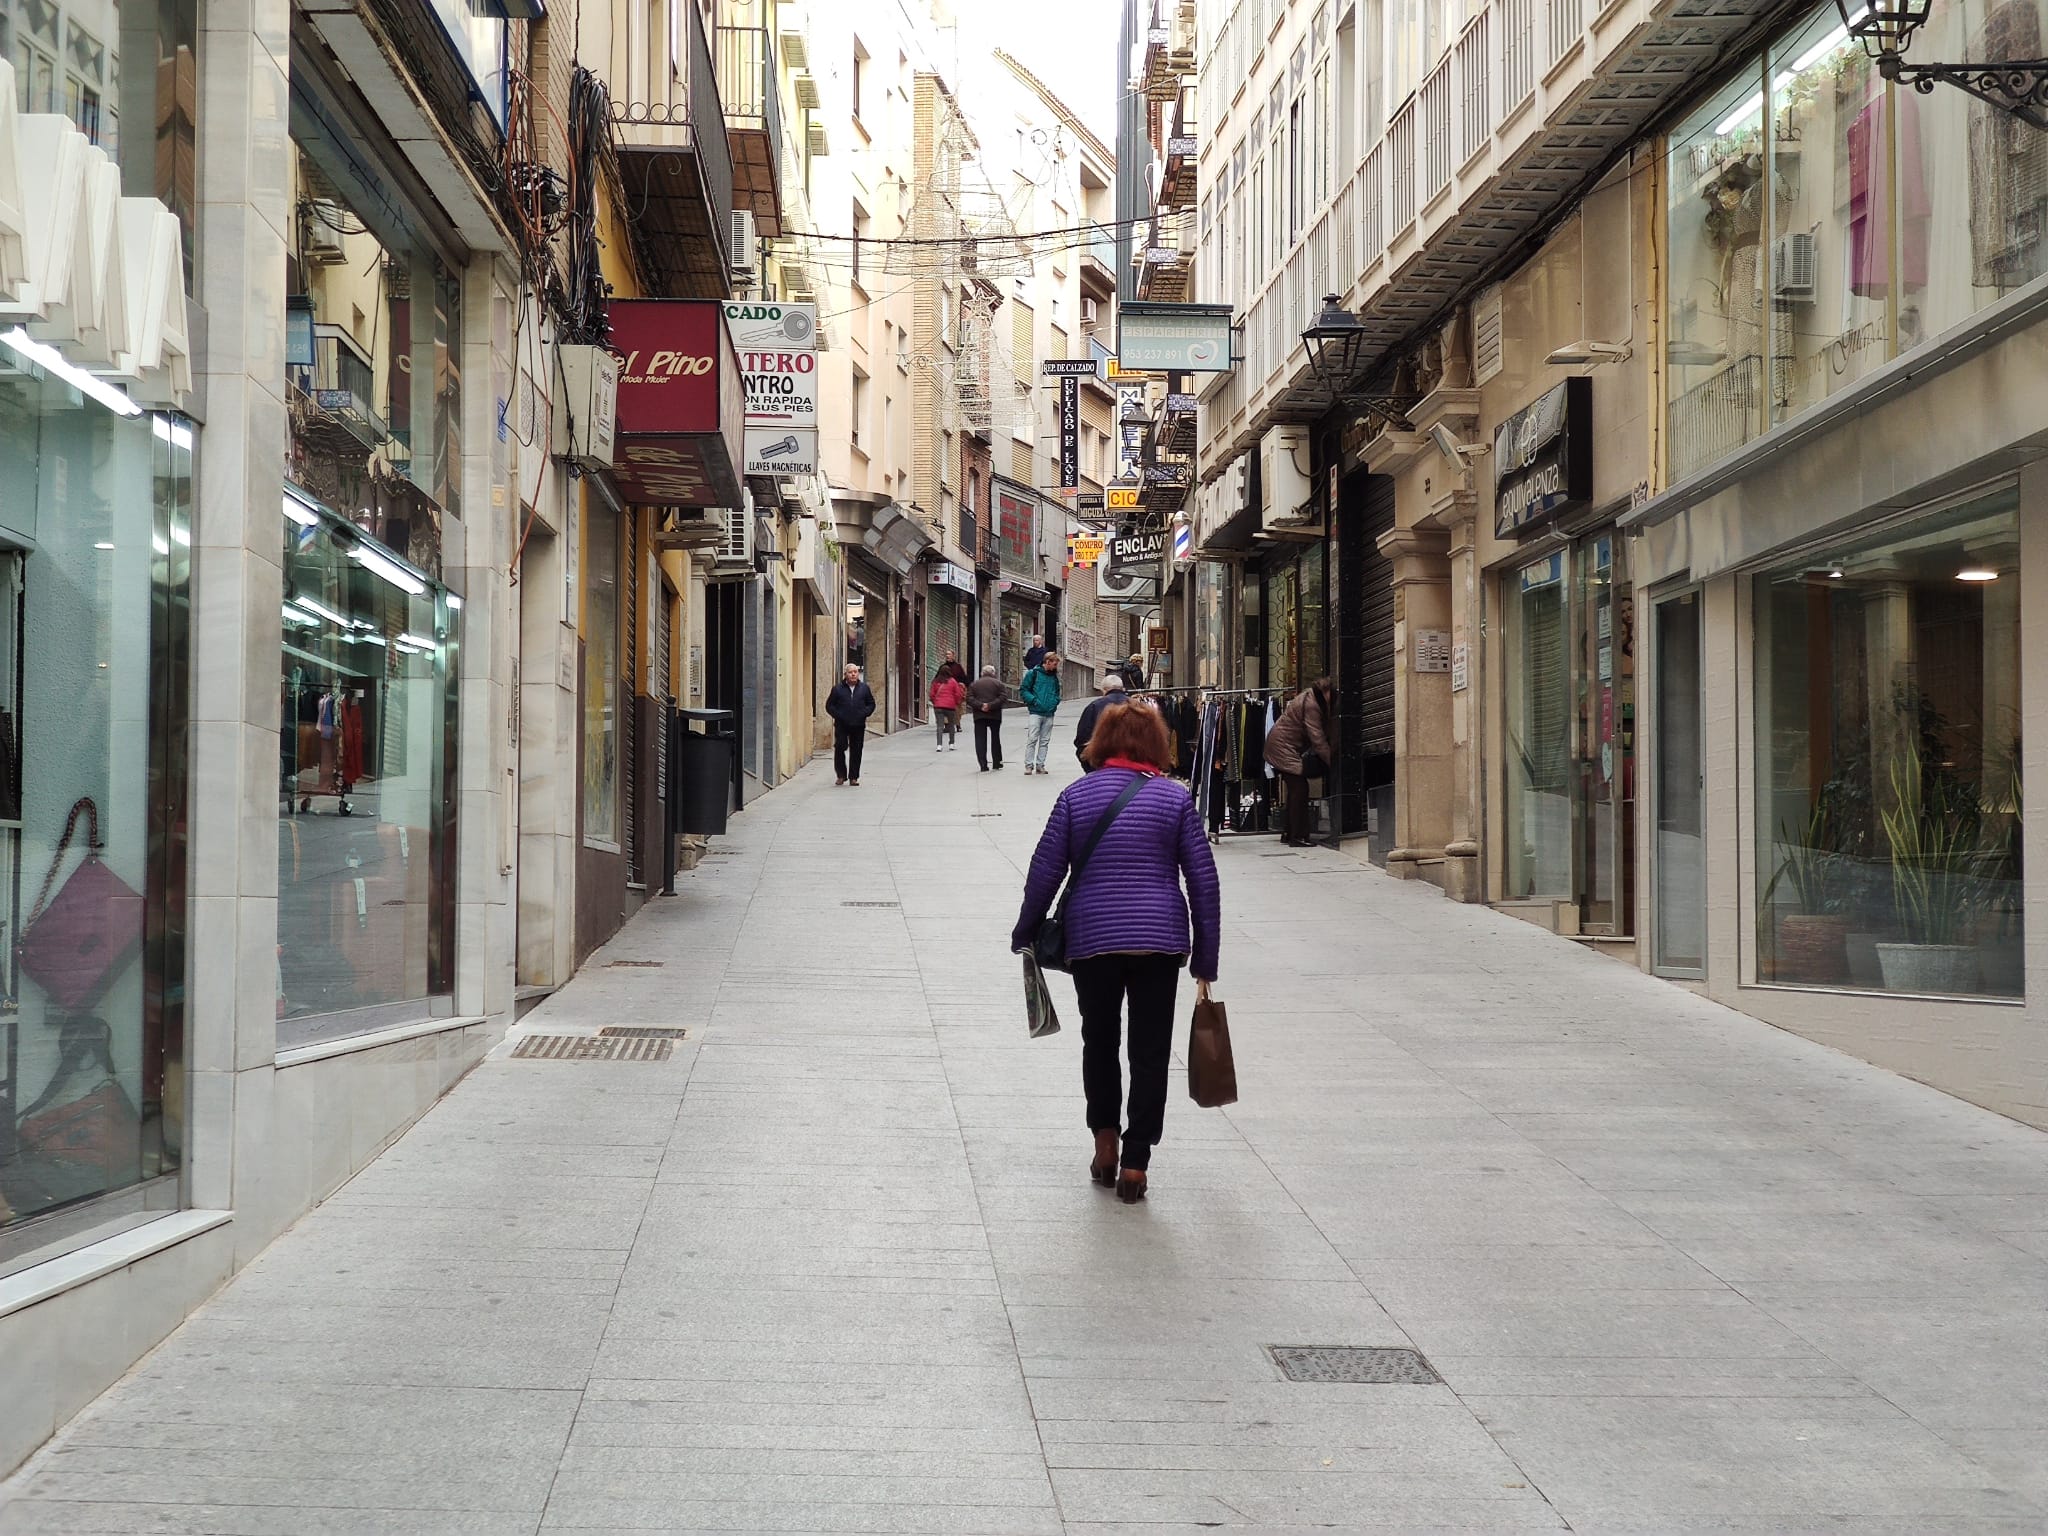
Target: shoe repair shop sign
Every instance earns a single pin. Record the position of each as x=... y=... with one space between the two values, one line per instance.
x=778 y=349
x=1138 y=553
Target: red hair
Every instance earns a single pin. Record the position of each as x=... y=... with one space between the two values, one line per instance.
x=1133 y=731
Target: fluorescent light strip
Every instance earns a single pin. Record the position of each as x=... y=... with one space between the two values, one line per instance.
x=379 y=564
x=299 y=512
x=171 y=432
x=53 y=362
x=299 y=615
x=409 y=638
x=455 y=600
x=323 y=610
x=1800 y=65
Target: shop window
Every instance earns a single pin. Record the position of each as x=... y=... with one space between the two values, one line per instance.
x=373 y=367
x=1539 y=756
x=1888 y=804
x=603 y=704
x=1717 y=298
x=367 y=753
x=1973 y=180
x=95 y=543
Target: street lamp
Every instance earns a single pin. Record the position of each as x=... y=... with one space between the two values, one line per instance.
x=1885 y=28
x=1336 y=343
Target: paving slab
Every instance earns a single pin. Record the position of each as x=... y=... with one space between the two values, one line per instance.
x=835 y=1265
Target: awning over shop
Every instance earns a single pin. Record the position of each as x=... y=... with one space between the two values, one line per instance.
x=896 y=538
x=681 y=435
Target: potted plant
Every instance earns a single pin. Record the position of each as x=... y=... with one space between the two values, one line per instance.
x=1932 y=827
x=1812 y=932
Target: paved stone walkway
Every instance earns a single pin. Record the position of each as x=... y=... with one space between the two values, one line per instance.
x=836 y=1265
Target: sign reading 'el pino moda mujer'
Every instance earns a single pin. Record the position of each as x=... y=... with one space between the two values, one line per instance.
x=682 y=404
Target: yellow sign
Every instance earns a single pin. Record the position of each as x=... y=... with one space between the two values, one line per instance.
x=1127 y=375
x=1122 y=498
x=1085 y=548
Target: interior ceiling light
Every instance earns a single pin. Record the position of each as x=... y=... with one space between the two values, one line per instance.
x=379 y=564
x=1976 y=573
x=299 y=512
x=53 y=362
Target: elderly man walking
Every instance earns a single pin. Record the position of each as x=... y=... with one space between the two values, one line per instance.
x=987 y=699
x=1112 y=693
x=850 y=704
x=1040 y=692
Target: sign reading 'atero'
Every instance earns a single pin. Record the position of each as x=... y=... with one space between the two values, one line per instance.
x=778 y=354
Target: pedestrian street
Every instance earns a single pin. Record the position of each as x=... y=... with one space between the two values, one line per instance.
x=830 y=1261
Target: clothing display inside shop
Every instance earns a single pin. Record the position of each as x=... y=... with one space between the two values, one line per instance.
x=322 y=741
x=1219 y=742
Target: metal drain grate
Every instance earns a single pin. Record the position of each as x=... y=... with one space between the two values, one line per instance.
x=641 y=1032
x=634 y=965
x=871 y=903
x=591 y=1048
x=982 y=815
x=1343 y=1362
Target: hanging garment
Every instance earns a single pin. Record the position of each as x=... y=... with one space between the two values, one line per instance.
x=351 y=740
x=1870 y=256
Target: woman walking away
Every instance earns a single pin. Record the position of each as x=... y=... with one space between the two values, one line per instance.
x=1298 y=747
x=1127 y=924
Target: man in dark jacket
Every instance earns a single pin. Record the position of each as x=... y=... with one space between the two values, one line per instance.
x=1034 y=653
x=1112 y=693
x=987 y=697
x=850 y=704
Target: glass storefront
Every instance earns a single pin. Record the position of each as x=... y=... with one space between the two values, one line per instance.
x=95 y=557
x=1571 y=733
x=1888 y=800
x=603 y=708
x=1678 y=856
x=1811 y=238
x=365 y=873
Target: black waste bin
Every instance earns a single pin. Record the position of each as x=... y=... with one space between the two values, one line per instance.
x=703 y=744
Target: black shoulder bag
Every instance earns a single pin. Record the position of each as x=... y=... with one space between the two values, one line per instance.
x=1050 y=943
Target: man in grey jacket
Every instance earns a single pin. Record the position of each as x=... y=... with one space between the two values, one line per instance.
x=1112 y=693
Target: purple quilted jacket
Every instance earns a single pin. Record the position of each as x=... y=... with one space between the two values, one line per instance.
x=1129 y=896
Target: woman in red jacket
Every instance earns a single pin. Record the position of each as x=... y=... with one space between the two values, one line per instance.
x=949 y=692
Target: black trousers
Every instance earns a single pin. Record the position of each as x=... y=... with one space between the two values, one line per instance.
x=847 y=741
x=1294 y=828
x=988 y=733
x=1102 y=982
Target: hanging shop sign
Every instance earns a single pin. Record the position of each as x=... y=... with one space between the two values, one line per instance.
x=1121 y=498
x=1174 y=338
x=1088 y=501
x=681 y=431
x=1138 y=552
x=1067 y=368
x=1085 y=548
x=1543 y=459
x=944 y=573
x=1183 y=542
x=1016 y=533
x=778 y=352
x=1070 y=433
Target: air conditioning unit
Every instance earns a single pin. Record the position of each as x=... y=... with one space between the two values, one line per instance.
x=807 y=95
x=746 y=249
x=1091 y=314
x=322 y=247
x=1283 y=479
x=1793 y=269
x=736 y=549
x=590 y=400
x=795 y=40
x=691 y=528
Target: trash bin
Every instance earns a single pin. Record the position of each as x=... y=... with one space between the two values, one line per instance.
x=702 y=743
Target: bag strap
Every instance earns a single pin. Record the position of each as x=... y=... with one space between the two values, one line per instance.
x=82 y=807
x=1116 y=807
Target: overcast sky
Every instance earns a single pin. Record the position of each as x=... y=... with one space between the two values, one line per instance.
x=1069 y=44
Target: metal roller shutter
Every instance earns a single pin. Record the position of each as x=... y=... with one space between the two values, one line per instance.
x=1364 y=644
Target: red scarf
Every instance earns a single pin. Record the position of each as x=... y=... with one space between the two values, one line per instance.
x=1133 y=765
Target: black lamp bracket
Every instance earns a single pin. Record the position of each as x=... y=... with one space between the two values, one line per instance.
x=2018 y=86
x=1390 y=410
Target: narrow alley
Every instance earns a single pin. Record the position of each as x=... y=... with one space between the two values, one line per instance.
x=835 y=1264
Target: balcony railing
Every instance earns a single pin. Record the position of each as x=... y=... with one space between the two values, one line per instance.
x=1475 y=52
x=753 y=120
x=1372 y=228
x=1567 y=25
x=1437 y=144
x=1401 y=168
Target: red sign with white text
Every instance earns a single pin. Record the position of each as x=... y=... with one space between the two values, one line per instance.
x=682 y=404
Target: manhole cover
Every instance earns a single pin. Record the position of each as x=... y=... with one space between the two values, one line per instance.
x=641 y=1032
x=591 y=1048
x=871 y=903
x=1340 y=1362
x=635 y=965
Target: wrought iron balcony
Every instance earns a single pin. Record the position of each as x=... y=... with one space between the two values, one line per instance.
x=677 y=165
x=753 y=122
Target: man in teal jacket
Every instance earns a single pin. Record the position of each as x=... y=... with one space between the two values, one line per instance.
x=1040 y=692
